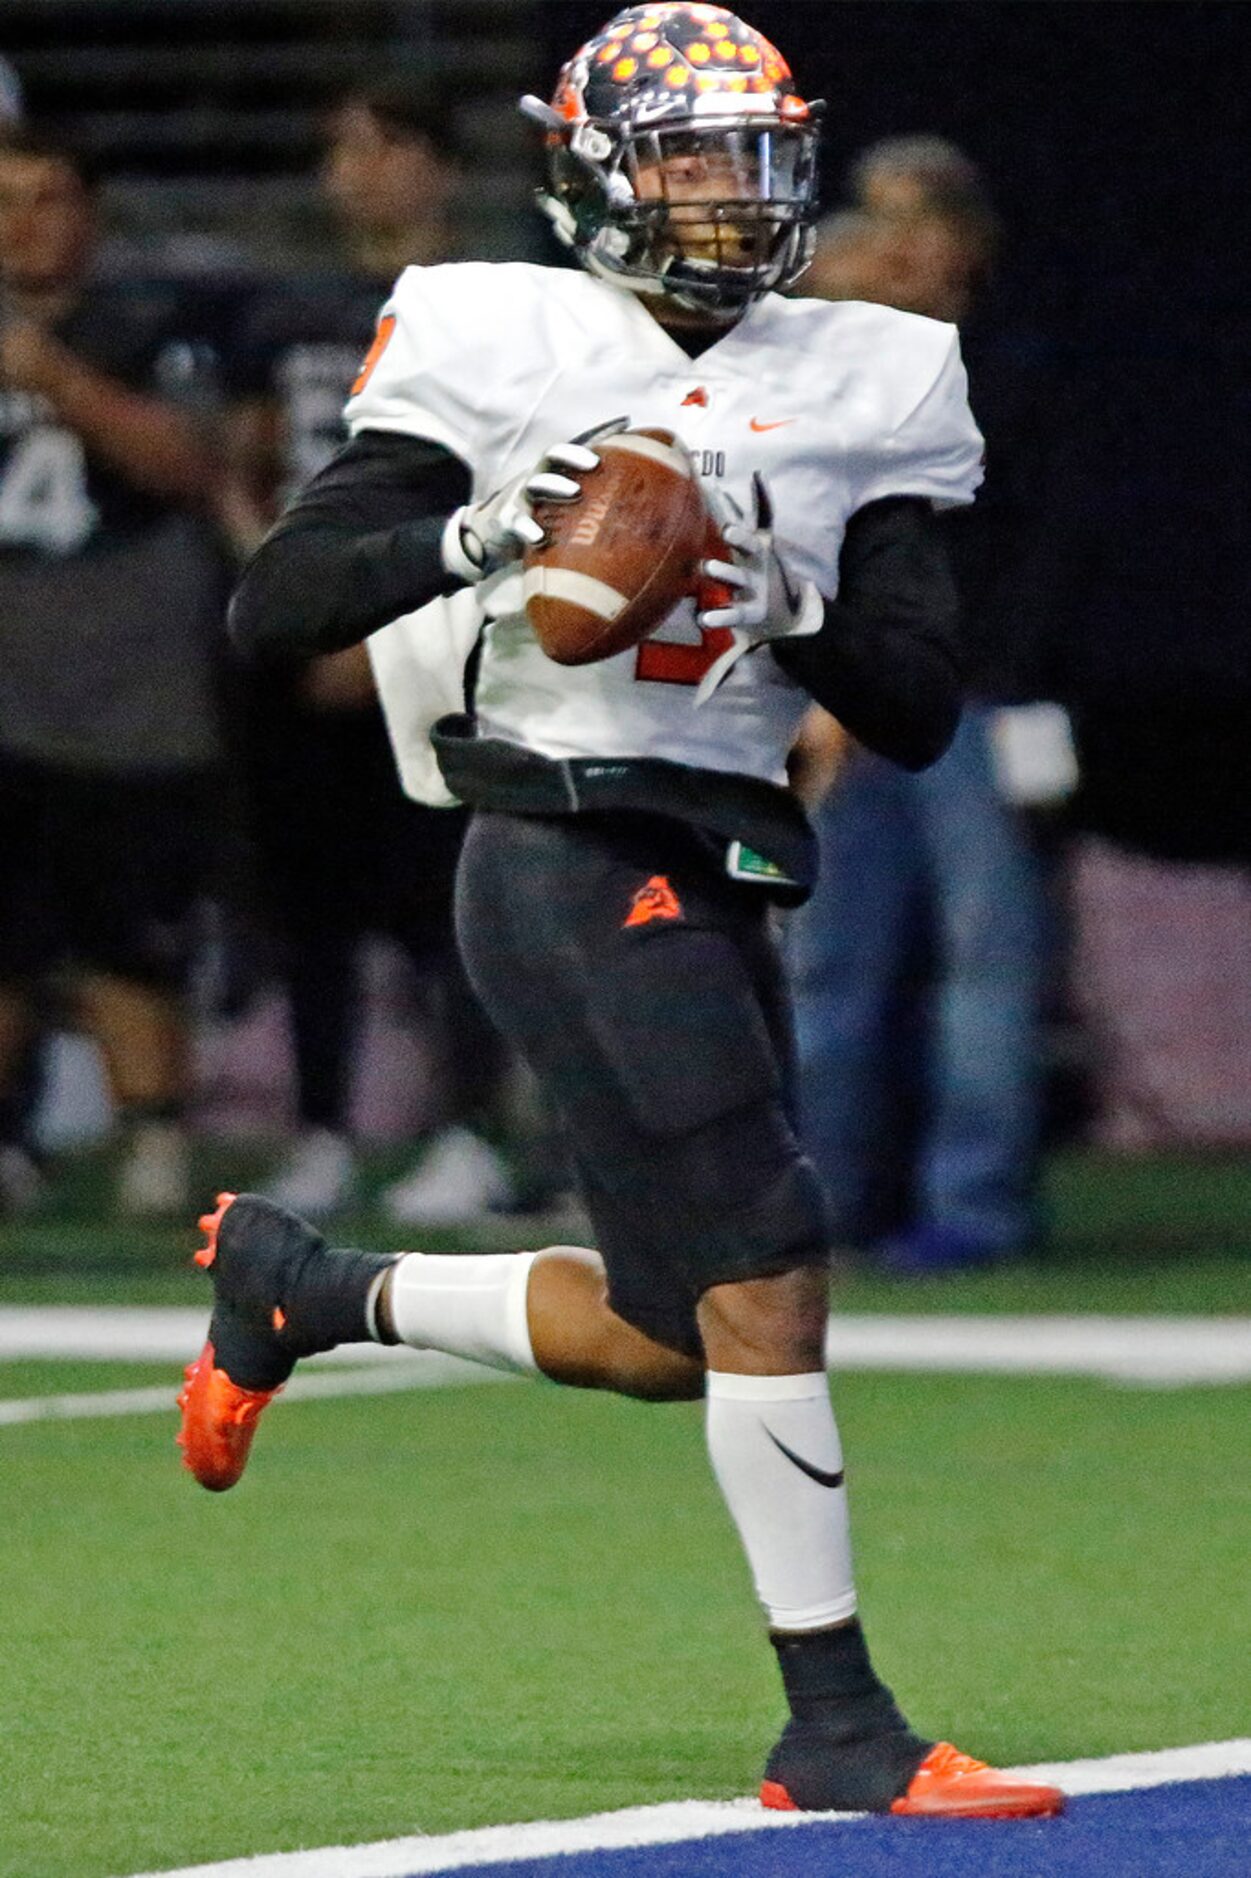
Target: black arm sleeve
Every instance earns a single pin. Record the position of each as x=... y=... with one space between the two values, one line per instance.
x=886 y=663
x=358 y=547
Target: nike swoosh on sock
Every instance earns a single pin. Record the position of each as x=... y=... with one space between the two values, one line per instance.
x=822 y=1478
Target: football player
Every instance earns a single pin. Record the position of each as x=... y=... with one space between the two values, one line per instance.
x=632 y=825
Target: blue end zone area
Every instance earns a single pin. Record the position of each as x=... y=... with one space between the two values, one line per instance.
x=1199 y=1829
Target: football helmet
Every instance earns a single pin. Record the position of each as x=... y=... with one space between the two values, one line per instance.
x=681 y=158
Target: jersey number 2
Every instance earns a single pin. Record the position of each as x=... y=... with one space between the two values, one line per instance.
x=669 y=662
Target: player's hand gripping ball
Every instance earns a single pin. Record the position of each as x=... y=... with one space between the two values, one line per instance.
x=615 y=562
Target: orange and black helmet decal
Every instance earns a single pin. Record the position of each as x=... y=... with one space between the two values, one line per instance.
x=662 y=57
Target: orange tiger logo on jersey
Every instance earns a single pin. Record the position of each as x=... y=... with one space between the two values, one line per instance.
x=656 y=900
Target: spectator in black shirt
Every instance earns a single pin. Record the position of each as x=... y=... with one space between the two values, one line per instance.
x=110 y=596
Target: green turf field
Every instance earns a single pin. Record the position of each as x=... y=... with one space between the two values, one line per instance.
x=442 y=1609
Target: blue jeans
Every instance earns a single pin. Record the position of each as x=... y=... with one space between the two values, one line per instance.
x=918 y=969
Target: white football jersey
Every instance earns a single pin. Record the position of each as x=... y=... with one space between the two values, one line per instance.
x=836 y=404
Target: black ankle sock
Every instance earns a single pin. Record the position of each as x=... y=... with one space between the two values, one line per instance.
x=829 y=1680
x=326 y=1301
x=252 y=1361
x=323 y=1305
x=846 y=1745
x=283 y=1293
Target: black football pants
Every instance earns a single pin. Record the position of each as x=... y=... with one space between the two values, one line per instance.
x=645 y=990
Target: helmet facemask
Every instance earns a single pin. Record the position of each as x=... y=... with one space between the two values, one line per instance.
x=710 y=213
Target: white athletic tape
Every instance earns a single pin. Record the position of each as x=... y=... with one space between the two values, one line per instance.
x=561 y=583
x=679 y=1822
x=633 y=444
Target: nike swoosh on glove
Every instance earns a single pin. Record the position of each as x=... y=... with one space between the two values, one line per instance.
x=483 y=537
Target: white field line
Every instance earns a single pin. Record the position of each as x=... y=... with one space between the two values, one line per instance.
x=678 y=1822
x=124 y=1333
x=1160 y=1352
x=417 y=1369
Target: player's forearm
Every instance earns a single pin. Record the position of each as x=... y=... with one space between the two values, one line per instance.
x=887 y=662
x=895 y=690
x=316 y=588
x=358 y=547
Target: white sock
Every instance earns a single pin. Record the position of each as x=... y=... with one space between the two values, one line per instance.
x=470 y=1307
x=794 y=1528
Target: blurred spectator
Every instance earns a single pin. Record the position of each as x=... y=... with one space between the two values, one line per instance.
x=925 y=175
x=922 y=234
x=346 y=854
x=920 y=960
x=1155 y=596
x=11 y=102
x=110 y=595
x=1162 y=972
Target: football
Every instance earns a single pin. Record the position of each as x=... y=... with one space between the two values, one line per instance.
x=617 y=561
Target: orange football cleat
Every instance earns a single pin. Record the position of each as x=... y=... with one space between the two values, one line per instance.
x=279 y=1293
x=951 y=1785
x=218 y=1422
x=219 y=1415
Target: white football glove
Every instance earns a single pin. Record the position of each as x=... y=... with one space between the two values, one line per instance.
x=485 y=536
x=766 y=603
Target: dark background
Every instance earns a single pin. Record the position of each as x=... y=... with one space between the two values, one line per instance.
x=1114 y=136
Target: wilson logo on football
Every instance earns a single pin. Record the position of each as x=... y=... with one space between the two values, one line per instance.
x=590 y=520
